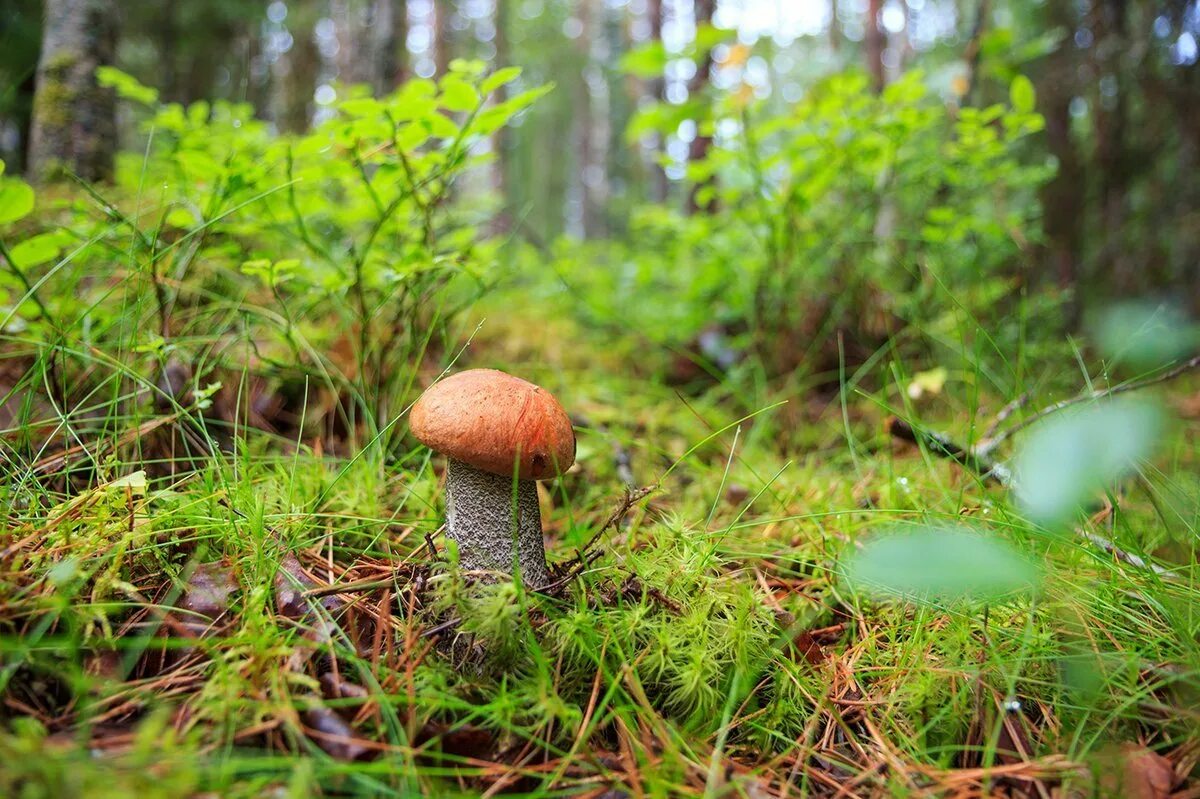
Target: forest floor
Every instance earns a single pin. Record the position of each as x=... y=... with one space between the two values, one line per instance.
x=278 y=620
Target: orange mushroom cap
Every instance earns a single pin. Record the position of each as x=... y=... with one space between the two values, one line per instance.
x=496 y=422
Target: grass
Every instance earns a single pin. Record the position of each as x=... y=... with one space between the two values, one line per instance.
x=235 y=594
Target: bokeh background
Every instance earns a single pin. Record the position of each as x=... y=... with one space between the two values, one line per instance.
x=1116 y=81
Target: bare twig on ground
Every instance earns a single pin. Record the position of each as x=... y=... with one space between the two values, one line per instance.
x=979 y=458
x=1005 y=412
x=942 y=445
x=992 y=442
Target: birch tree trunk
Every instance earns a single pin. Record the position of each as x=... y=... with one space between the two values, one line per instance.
x=74 y=120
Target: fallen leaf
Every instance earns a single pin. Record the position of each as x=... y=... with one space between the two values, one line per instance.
x=208 y=590
x=333 y=734
x=1132 y=771
x=1147 y=774
x=334 y=686
x=463 y=741
x=290 y=584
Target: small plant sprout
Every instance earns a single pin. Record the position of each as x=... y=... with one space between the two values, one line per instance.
x=501 y=434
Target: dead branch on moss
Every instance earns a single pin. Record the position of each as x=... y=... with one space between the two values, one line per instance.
x=992 y=471
x=990 y=443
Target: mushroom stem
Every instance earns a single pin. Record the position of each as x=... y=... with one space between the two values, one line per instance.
x=481 y=519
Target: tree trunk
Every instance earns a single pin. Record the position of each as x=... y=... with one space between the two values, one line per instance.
x=835 y=27
x=295 y=76
x=74 y=120
x=585 y=126
x=443 y=46
x=395 y=46
x=372 y=33
x=1062 y=197
x=698 y=149
x=501 y=143
x=876 y=43
x=1112 y=148
x=655 y=89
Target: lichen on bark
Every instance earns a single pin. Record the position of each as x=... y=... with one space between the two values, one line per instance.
x=74 y=119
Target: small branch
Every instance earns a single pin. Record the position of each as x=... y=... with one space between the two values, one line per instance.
x=1005 y=412
x=941 y=445
x=987 y=469
x=345 y=588
x=1090 y=396
x=631 y=498
x=1126 y=557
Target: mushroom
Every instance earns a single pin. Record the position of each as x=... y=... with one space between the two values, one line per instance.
x=500 y=434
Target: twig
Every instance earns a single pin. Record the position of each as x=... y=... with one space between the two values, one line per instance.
x=631 y=498
x=987 y=469
x=1126 y=557
x=1089 y=396
x=344 y=588
x=1005 y=412
x=940 y=444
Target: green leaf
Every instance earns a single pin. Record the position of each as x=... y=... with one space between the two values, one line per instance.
x=38 y=249
x=527 y=98
x=257 y=267
x=939 y=564
x=1075 y=454
x=361 y=107
x=441 y=127
x=458 y=95
x=707 y=37
x=198 y=166
x=1148 y=335
x=1022 y=95
x=16 y=200
x=411 y=137
x=647 y=61
x=181 y=217
x=500 y=77
x=126 y=86
x=471 y=67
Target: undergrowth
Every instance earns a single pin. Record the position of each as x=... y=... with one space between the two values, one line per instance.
x=222 y=568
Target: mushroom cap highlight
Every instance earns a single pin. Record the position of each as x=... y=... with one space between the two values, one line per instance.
x=496 y=422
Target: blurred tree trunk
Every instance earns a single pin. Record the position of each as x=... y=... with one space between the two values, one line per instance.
x=623 y=92
x=1062 y=197
x=502 y=223
x=835 y=27
x=1113 y=160
x=655 y=89
x=74 y=120
x=876 y=43
x=443 y=44
x=371 y=33
x=585 y=125
x=296 y=72
x=167 y=50
x=973 y=52
x=395 y=44
x=699 y=146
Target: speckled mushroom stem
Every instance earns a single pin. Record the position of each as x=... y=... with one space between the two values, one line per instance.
x=480 y=518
